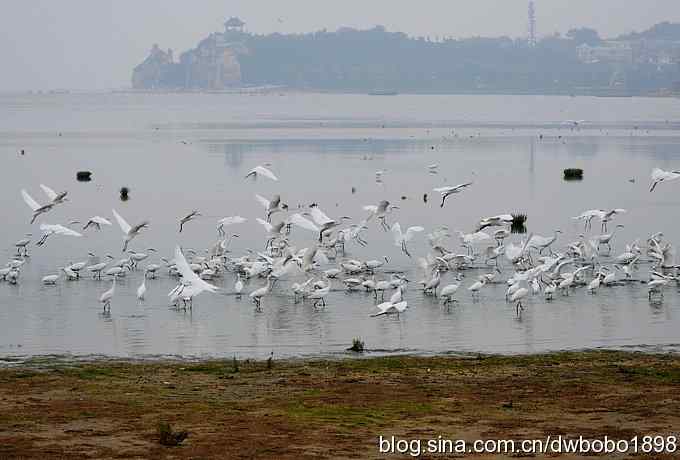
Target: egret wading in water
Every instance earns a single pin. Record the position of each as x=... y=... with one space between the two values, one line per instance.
x=106 y=297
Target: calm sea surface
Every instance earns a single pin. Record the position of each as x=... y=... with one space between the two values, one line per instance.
x=179 y=152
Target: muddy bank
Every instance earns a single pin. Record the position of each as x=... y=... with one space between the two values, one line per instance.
x=330 y=409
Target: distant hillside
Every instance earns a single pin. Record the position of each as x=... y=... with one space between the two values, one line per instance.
x=377 y=59
x=667 y=31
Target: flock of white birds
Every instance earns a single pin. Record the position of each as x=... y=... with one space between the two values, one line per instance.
x=536 y=266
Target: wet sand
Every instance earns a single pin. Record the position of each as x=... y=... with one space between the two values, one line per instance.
x=330 y=409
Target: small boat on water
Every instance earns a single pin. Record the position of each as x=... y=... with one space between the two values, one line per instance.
x=383 y=92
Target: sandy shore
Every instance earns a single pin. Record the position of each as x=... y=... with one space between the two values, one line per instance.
x=331 y=409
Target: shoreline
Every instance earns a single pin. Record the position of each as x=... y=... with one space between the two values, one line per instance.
x=331 y=408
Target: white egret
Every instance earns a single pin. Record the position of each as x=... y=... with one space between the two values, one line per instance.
x=35 y=206
x=129 y=232
x=260 y=170
x=448 y=191
x=55 y=229
x=387 y=308
x=188 y=218
x=106 y=297
x=659 y=175
x=259 y=293
x=400 y=239
x=141 y=290
x=96 y=222
x=50 y=279
x=231 y=220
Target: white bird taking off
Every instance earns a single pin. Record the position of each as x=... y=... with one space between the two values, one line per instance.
x=448 y=191
x=96 y=222
x=260 y=170
x=56 y=229
x=400 y=239
x=659 y=175
x=129 y=231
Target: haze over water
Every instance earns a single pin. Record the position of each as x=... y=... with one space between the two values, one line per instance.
x=179 y=152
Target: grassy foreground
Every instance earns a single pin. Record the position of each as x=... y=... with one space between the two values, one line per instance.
x=330 y=409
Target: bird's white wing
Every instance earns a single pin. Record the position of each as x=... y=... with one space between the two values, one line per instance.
x=658 y=174
x=265 y=224
x=383 y=307
x=301 y=222
x=29 y=200
x=51 y=194
x=187 y=274
x=124 y=226
x=396 y=233
x=412 y=231
x=443 y=189
x=58 y=230
x=371 y=208
x=263 y=201
x=261 y=170
x=400 y=307
x=318 y=215
x=321 y=257
x=100 y=220
x=232 y=220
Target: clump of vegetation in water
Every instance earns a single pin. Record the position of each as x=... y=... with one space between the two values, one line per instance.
x=573 y=174
x=84 y=176
x=357 y=345
x=167 y=437
x=124 y=194
x=519 y=221
x=270 y=361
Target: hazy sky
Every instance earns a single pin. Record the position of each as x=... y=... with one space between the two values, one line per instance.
x=93 y=44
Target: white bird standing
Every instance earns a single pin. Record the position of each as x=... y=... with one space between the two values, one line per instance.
x=141 y=290
x=400 y=239
x=129 y=232
x=106 y=297
x=260 y=170
x=258 y=294
x=448 y=191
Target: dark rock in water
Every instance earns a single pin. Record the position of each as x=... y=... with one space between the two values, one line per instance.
x=124 y=193
x=573 y=174
x=84 y=176
x=403 y=197
x=354 y=189
x=425 y=198
x=518 y=223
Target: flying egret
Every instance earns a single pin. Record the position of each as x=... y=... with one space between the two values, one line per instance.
x=400 y=239
x=193 y=284
x=129 y=232
x=659 y=175
x=260 y=170
x=324 y=222
x=35 y=206
x=381 y=210
x=448 y=191
x=55 y=229
x=96 y=222
x=231 y=220
x=272 y=206
x=189 y=217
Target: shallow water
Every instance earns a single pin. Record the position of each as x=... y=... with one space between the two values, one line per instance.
x=184 y=152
